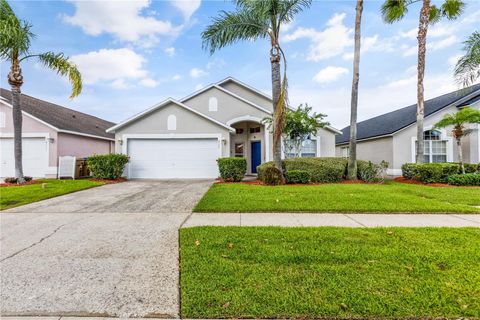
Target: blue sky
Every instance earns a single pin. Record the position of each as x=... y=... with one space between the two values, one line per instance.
x=134 y=54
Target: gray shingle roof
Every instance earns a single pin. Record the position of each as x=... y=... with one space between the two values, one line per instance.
x=61 y=117
x=391 y=122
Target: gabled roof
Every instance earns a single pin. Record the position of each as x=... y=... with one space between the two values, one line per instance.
x=216 y=86
x=161 y=105
x=389 y=123
x=60 y=118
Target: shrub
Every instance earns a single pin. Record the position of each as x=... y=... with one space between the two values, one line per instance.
x=272 y=176
x=261 y=170
x=320 y=169
x=409 y=170
x=468 y=179
x=10 y=180
x=435 y=172
x=472 y=167
x=297 y=176
x=372 y=172
x=27 y=178
x=107 y=166
x=232 y=169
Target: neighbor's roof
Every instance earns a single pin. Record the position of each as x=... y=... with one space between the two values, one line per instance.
x=61 y=118
x=389 y=123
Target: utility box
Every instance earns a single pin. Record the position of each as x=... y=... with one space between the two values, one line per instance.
x=82 y=170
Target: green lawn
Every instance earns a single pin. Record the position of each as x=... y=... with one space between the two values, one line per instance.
x=17 y=196
x=267 y=272
x=388 y=197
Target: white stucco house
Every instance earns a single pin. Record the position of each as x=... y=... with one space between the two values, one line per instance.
x=392 y=136
x=184 y=138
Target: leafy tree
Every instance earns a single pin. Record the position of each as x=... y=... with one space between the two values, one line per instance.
x=300 y=124
x=395 y=10
x=352 y=158
x=254 y=20
x=459 y=121
x=15 y=42
x=467 y=69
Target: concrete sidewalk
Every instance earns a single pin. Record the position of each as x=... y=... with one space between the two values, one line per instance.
x=332 y=219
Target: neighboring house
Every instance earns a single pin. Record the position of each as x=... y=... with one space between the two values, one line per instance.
x=392 y=136
x=183 y=139
x=49 y=131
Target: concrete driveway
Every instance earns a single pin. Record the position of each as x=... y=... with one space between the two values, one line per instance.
x=108 y=251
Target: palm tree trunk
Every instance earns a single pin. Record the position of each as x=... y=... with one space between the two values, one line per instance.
x=460 y=155
x=276 y=89
x=422 y=49
x=15 y=79
x=352 y=159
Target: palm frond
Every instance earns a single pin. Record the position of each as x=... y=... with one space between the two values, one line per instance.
x=394 y=10
x=231 y=27
x=290 y=8
x=435 y=14
x=452 y=9
x=63 y=66
x=15 y=34
x=467 y=69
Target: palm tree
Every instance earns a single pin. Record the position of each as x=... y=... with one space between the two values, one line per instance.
x=352 y=157
x=467 y=69
x=459 y=121
x=15 y=41
x=252 y=20
x=395 y=10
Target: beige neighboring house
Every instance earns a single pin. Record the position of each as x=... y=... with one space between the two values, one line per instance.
x=392 y=136
x=48 y=132
x=184 y=138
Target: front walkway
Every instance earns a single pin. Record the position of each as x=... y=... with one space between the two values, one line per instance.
x=330 y=219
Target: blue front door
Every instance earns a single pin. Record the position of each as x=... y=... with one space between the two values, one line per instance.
x=256 y=155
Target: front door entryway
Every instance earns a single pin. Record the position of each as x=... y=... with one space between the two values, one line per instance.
x=256 y=155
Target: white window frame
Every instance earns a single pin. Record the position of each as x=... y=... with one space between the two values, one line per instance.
x=443 y=137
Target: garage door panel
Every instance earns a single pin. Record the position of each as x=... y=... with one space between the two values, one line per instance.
x=173 y=158
x=34 y=157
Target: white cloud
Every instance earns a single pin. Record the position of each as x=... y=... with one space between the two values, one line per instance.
x=330 y=74
x=170 y=51
x=149 y=83
x=187 y=7
x=197 y=73
x=216 y=63
x=442 y=44
x=452 y=61
x=122 y=68
x=122 y=19
x=325 y=44
x=199 y=86
x=177 y=77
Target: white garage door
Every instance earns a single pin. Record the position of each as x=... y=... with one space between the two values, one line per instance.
x=173 y=158
x=35 y=157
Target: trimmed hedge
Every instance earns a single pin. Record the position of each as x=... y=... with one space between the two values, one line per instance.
x=232 y=169
x=297 y=176
x=271 y=176
x=107 y=166
x=321 y=170
x=468 y=179
x=435 y=172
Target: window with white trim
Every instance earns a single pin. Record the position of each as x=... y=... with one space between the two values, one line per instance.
x=212 y=104
x=435 y=149
x=172 y=122
x=308 y=149
x=345 y=152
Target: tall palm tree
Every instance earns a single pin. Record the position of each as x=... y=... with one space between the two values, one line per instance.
x=15 y=41
x=395 y=10
x=458 y=121
x=467 y=69
x=254 y=19
x=352 y=148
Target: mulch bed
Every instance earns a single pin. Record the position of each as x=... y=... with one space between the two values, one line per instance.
x=110 y=181
x=260 y=183
x=6 y=185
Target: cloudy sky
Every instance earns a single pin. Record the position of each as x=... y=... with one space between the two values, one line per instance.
x=134 y=54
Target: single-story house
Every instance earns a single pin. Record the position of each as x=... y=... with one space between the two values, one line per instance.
x=48 y=132
x=392 y=136
x=184 y=138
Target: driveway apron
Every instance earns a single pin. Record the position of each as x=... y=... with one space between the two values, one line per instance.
x=110 y=251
